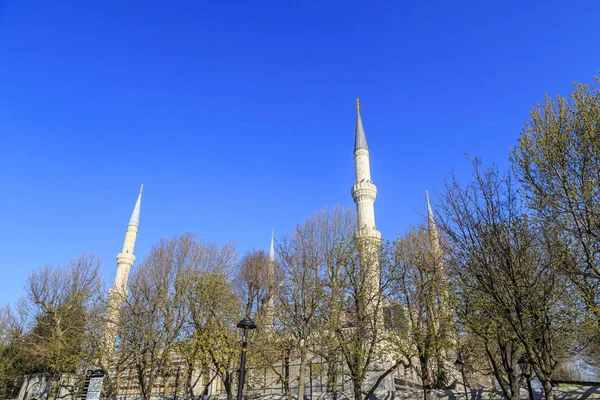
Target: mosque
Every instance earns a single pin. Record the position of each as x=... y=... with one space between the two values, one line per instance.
x=364 y=193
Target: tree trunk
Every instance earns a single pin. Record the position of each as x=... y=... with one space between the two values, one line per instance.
x=286 y=378
x=544 y=380
x=187 y=388
x=426 y=393
x=301 y=376
x=515 y=388
x=509 y=386
x=548 y=389
x=425 y=380
x=145 y=385
x=227 y=383
x=442 y=376
x=331 y=374
x=357 y=389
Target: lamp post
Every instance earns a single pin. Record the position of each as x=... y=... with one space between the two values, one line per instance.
x=525 y=365
x=461 y=366
x=246 y=325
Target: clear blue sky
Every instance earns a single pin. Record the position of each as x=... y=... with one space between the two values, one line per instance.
x=239 y=116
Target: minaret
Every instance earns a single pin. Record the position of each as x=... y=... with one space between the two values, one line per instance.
x=364 y=193
x=432 y=230
x=368 y=239
x=269 y=304
x=118 y=293
x=126 y=258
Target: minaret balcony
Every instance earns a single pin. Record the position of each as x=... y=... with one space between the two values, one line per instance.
x=364 y=190
x=125 y=258
x=372 y=234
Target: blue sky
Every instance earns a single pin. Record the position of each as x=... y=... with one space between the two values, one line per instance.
x=239 y=116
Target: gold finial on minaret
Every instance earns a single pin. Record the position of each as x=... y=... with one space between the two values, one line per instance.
x=357 y=104
x=141 y=188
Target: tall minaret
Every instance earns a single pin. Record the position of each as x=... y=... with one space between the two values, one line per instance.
x=368 y=239
x=364 y=193
x=437 y=274
x=441 y=312
x=118 y=293
x=270 y=305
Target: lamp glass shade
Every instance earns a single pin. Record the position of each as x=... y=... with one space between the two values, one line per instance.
x=523 y=360
x=246 y=323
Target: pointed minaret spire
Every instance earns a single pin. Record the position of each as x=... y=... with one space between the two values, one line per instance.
x=132 y=227
x=269 y=309
x=364 y=191
x=433 y=234
x=360 y=140
x=272 y=248
x=118 y=293
x=126 y=258
x=135 y=215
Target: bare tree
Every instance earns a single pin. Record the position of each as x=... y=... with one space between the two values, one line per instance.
x=501 y=256
x=156 y=309
x=308 y=291
x=252 y=283
x=61 y=302
x=363 y=338
x=309 y=266
x=419 y=292
x=487 y=332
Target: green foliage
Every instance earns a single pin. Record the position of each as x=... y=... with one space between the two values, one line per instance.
x=505 y=266
x=558 y=163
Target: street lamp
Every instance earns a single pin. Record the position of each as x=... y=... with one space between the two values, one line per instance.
x=246 y=325
x=525 y=365
x=461 y=366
